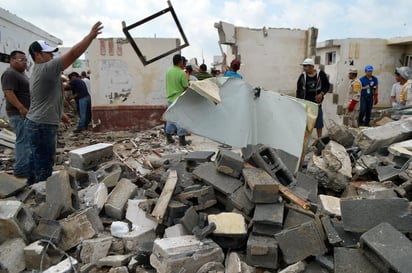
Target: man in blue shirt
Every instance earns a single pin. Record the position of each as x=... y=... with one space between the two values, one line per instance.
x=369 y=96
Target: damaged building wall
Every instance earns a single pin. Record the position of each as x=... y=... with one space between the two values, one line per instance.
x=126 y=94
x=18 y=34
x=270 y=57
x=340 y=55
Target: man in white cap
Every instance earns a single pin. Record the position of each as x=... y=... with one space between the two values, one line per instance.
x=405 y=98
x=355 y=87
x=313 y=85
x=46 y=108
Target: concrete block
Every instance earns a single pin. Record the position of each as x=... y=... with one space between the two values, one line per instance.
x=49 y=211
x=330 y=231
x=175 y=231
x=372 y=138
x=81 y=177
x=93 y=250
x=291 y=162
x=193 y=159
x=308 y=183
x=96 y=196
x=16 y=221
x=61 y=191
x=184 y=177
x=229 y=163
x=349 y=239
x=65 y=266
x=240 y=201
x=175 y=211
x=341 y=134
x=136 y=214
x=262 y=251
x=349 y=260
x=231 y=231
x=38 y=256
x=120 y=269
x=134 y=238
x=295 y=268
x=184 y=254
x=363 y=214
x=268 y=219
x=386 y=173
x=49 y=230
x=109 y=174
x=268 y=159
x=80 y=226
x=88 y=157
x=12 y=255
x=118 y=197
x=114 y=260
x=143 y=253
x=387 y=248
x=300 y=242
x=199 y=199
x=190 y=220
x=260 y=187
x=223 y=184
x=9 y=184
x=330 y=204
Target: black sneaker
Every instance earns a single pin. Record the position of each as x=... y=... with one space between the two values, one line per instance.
x=77 y=131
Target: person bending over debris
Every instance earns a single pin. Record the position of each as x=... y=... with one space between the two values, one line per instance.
x=46 y=109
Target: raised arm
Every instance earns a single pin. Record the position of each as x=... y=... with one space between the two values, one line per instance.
x=78 y=49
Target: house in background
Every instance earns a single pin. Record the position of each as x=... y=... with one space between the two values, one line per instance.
x=339 y=55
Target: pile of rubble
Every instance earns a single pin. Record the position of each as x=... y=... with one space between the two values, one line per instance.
x=137 y=205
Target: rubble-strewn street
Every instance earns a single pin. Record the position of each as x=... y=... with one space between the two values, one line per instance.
x=127 y=202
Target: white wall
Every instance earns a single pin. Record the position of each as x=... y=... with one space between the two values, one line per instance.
x=118 y=77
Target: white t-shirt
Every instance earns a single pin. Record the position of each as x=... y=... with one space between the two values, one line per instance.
x=87 y=82
x=396 y=91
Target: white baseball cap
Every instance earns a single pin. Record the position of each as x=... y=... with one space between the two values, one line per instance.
x=41 y=46
x=308 y=61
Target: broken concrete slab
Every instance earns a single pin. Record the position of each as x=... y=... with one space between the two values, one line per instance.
x=82 y=225
x=300 y=242
x=9 y=184
x=223 y=184
x=66 y=266
x=109 y=173
x=95 y=195
x=240 y=201
x=387 y=173
x=268 y=219
x=184 y=254
x=330 y=231
x=375 y=190
x=231 y=231
x=137 y=215
x=38 y=256
x=360 y=215
x=333 y=169
x=372 y=138
x=387 y=248
x=200 y=198
x=330 y=204
x=193 y=159
x=351 y=260
x=114 y=260
x=49 y=230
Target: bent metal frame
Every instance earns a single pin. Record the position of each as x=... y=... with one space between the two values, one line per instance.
x=147 y=19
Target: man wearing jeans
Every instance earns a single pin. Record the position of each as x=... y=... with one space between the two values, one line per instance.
x=82 y=97
x=15 y=86
x=46 y=109
x=369 y=96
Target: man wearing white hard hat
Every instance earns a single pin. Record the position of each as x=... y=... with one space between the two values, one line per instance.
x=405 y=97
x=312 y=85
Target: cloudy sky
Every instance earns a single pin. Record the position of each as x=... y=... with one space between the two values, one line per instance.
x=70 y=20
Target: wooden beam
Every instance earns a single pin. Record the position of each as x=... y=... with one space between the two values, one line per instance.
x=164 y=198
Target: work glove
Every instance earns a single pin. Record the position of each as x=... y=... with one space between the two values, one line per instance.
x=352 y=105
x=375 y=98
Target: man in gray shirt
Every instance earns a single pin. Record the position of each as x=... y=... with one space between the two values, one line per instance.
x=46 y=109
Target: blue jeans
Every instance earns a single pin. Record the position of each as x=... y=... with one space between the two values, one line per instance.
x=43 y=139
x=172 y=128
x=22 y=147
x=366 y=105
x=319 y=118
x=85 y=111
